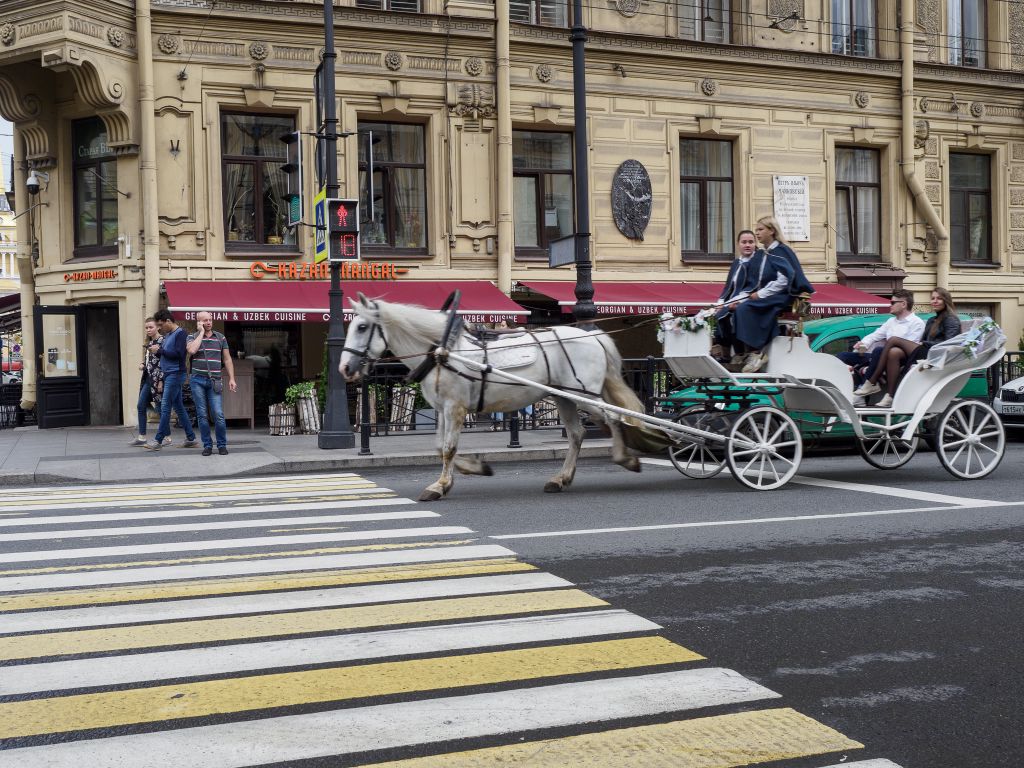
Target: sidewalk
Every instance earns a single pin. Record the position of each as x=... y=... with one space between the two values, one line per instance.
x=29 y=455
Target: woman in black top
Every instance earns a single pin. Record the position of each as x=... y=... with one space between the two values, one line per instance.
x=898 y=353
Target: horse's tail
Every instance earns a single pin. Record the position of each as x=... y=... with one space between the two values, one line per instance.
x=635 y=433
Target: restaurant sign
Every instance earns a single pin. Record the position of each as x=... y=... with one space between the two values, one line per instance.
x=305 y=270
x=320 y=316
x=95 y=274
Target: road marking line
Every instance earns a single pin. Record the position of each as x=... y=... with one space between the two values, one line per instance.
x=335 y=597
x=246 y=694
x=248 y=566
x=251 y=585
x=229 y=481
x=865 y=764
x=725 y=741
x=56 y=676
x=139 y=530
x=195 y=631
x=290 y=739
x=376 y=499
x=51 y=555
x=177 y=489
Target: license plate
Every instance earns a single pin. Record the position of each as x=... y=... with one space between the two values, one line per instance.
x=1013 y=410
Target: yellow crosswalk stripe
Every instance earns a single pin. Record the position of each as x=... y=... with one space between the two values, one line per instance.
x=168 y=702
x=723 y=741
x=283 y=624
x=245 y=585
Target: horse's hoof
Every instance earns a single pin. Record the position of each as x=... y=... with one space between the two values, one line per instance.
x=430 y=496
x=633 y=465
x=552 y=487
x=486 y=470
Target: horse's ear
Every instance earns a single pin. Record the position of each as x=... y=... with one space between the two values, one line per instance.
x=355 y=304
x=362 y=298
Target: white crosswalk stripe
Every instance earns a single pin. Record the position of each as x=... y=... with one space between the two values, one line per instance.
x=374 y=638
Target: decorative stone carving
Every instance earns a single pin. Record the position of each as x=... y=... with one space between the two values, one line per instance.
x=931 y=170
x=1017 y=151
x=474 y=101
x=8 y=33
x=474 y=66
x=544 y=73
x=708 y=86
x=259 y=50
x=921 y=131
x=628 y=8
x=1017 y=221
x=1017 y=196
x=931 y=147
x=393 y=60
x=1017 y=174
x=632 y=199
x=929 y=19
x=115 y=37
x=1017 y=242
x=862 y=99
x=977 y=109
x=167 y=44
x=785 y=14
x=923 y=104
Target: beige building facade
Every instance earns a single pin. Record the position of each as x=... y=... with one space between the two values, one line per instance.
x=154 y=129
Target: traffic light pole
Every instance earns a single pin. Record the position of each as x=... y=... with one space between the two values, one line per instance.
x=336 y=432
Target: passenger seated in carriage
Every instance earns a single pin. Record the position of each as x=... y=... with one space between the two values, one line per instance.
x=775 y=279
x=725 y=337
x=899 y=353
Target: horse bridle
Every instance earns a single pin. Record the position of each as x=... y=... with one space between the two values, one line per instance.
x=362 y=354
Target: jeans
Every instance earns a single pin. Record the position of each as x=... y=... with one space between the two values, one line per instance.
x=145 y=395
x=861 y=362
x=173 y=399
x=202 y=388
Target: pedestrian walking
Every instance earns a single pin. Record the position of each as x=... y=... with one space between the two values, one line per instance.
x=172 y=354
x=211 y=359
x=151 y=381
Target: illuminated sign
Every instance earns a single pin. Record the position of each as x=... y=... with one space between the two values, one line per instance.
x=304 y=270
x=96 y=274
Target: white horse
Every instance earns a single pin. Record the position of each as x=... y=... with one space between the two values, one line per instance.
x=584 y=362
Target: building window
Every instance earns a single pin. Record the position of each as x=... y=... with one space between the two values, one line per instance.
x=551 y=13
x=394 y=176
x=970 y=202
x=705 y=186
x=543 y=190
x=95 y=182
x=255 y=211
x=853 y=27
x=706 y=20
x=967 y=33
x=410 y=6
x=858 y=205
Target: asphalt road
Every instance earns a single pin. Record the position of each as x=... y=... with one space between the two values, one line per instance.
x=884 y=604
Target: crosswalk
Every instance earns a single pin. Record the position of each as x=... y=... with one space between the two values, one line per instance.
x=324 y=620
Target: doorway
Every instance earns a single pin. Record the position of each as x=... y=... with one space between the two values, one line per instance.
x=103 y=345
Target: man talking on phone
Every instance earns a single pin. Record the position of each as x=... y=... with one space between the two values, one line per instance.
x=211 y=358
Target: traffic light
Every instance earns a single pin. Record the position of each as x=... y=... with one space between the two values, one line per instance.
x=342 y=230
x=293 y=169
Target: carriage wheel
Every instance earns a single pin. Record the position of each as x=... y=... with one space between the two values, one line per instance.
x=699 y=461
x=884 y=449
x=764 y=448
x=971 y=439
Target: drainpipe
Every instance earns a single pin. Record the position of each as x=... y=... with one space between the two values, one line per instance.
x=26 y=272
x=907 y=162
x=147 y=158
x=504 y=95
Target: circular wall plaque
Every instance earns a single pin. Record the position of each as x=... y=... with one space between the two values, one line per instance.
x=631 y=199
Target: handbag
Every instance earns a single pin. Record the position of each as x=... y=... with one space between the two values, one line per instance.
x=218 y=385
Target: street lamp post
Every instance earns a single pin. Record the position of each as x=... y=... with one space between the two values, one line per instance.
x=584 y=310
x=336 y=432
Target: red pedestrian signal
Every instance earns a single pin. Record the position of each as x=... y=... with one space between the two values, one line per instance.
x=342 y=230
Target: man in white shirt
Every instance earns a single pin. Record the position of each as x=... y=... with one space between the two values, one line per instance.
x=903 y=323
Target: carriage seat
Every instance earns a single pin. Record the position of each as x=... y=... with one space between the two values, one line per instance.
x=792 y=356
x=481 y=334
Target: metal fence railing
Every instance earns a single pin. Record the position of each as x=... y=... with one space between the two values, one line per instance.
x=1010 y=367
x=11 y=413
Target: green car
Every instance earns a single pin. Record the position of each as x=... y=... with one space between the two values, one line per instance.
x=830 y=335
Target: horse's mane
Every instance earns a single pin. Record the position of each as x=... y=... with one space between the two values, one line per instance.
x=412 y=319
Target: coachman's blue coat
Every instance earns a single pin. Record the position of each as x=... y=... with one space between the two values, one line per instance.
x=755 y=319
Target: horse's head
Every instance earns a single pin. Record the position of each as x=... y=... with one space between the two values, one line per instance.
x=364 y=340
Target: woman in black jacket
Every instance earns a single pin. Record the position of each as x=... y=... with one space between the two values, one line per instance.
x=899 y=354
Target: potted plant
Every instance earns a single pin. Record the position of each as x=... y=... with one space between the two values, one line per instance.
x=302 y=397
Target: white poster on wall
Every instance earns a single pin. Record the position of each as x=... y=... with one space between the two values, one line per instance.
x=793 y=207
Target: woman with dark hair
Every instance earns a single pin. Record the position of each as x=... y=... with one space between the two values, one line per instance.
x=726 y=347
x=899 y=354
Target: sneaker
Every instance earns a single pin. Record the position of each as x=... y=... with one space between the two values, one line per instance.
x=739 y=360
x=867 y=388
x=222 y=451
x=859 y=401
x=190 y=443
x=207 y=451
x=154 y=446
x=140 y=440
x=885 y=402
x=166 y=443
x=755 y=362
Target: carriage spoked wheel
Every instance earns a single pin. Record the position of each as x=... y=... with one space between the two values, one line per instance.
x=700 y=460
x=764 y=448
x=884 y=448
x=970 y=439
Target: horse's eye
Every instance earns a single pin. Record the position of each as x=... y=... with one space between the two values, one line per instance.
x=363 y=327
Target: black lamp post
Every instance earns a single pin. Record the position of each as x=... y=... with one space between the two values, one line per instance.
x=584 y=310
x=336 y=432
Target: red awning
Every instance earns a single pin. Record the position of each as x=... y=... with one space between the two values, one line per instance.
x=612 y=298
x=275 y=301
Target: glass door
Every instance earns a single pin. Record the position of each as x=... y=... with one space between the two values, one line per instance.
x=63 y=397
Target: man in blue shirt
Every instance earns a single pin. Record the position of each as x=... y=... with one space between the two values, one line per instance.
x=172 y=355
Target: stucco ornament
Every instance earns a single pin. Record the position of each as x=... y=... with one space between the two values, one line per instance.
x=977 y=109
x=631 y=199
x=167 y=44
x=862 y=99
x=474 y=66
x=544 y=73
x=393 y=60
x=628 y=8
x=708 y=86
x=474 y=101
x=115 y=37
x=921 y=133
x=8 y=34
x=923 y=104
x=259 y=50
